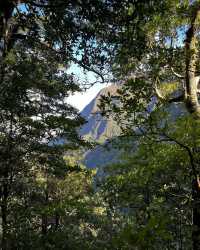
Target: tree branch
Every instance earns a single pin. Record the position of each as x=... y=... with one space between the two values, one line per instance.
x=179 y=98
x=39 y=5
x=176 y=74
x=158 y=93
x=71 y=58
x=188 y=151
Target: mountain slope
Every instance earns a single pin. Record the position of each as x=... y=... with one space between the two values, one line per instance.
x=97 y=128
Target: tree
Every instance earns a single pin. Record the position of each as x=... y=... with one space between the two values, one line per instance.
x=152 y=51
x=65 y=29
x=34 y=115
x=151 y=188
x=38 y=41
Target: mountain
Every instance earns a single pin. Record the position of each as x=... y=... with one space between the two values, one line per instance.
x=97 y=128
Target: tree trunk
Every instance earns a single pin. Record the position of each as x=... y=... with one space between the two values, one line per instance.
x=6 y=10
x=44 y=216
x=191 y=58
x=193 y=106
x=196 y=214
x=57 y=221
x=4 y=214
x=44 y=224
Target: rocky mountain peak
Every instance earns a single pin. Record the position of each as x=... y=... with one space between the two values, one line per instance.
x=97 y=127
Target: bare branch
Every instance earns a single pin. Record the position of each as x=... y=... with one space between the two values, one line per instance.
x=40 y=5
x=178 y=98
x=157 y=91
x=73 y=59
x=176 y=74
x=88 y=68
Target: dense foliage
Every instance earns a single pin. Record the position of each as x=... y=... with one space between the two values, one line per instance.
x=151 y=198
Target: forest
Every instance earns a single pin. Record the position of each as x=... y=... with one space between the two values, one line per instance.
x=123 y=173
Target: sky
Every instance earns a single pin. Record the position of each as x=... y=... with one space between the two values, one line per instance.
x=80 y=100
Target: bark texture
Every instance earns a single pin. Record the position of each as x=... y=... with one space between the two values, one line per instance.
x=4 y=214
x=193 y=106
x=191 y=80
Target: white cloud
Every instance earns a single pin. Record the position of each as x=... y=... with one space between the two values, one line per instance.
x=80 y=100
